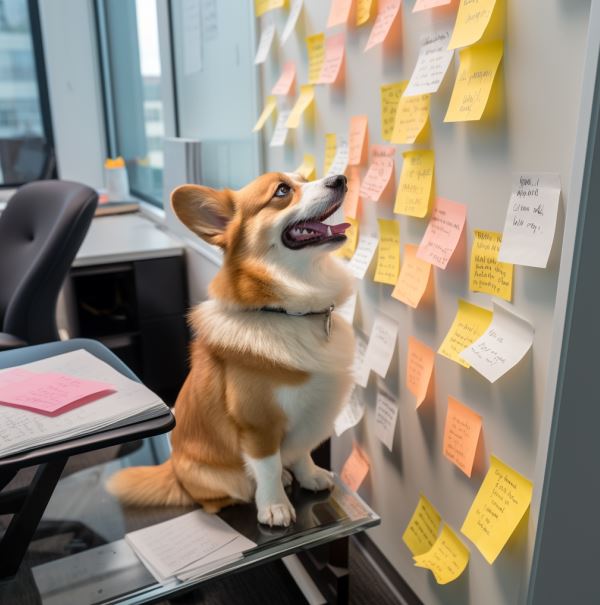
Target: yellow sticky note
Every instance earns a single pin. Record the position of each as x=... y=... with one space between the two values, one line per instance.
x=263 y=6
x=307 y=168
x=474 y=80
x=416 y=180
x=270 y=107
x=469 y=324
x=487 y=274
x=461 y=435
x=363 y=11
x=347 y=250
x=423 y=527
x=412 y=115
x=330 y=148
x=390 y=97
x=307 y=96
x=413 y=279
x=315 y=46
x=499 y=506
x=388 y=253
x=447 y=558
x=472 y=19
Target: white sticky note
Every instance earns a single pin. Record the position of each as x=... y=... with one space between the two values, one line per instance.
x=382 y=344
x=360 y=370
x=281 y=130
x=351 y=414
x=264 y=44
x=290 y=24
x=432 y=65
x=386 y=415
x=502 y=346
x=363 y=255
x=340 y=160
x=530 y=220
x=347 y=310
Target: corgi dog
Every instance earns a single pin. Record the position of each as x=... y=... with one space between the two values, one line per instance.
x=270 y=363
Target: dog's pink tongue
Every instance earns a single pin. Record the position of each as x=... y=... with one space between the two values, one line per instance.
x=327 y=229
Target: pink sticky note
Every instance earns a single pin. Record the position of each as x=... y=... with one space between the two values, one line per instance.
x=335 y=51
x=285 y=84
x=379 y=173
x=339 y=12
x=388 y=11
x=443 y=232
x=423 y=5
x=48 y=393
x=355 y=469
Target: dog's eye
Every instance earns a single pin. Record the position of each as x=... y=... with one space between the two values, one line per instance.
x=282 y=190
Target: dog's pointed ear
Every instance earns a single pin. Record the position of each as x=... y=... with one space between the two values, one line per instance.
x=205 y=211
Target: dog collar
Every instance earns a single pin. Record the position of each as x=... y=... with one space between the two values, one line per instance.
x=326 y=313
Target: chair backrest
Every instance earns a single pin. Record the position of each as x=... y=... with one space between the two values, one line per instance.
x=41 y=230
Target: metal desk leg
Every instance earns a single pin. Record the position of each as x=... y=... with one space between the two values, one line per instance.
x=21 y=529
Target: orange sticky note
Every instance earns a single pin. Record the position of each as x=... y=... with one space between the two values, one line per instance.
x=388 y=252
x=387 y=12
x=380 y=172
x=339 y=12
x=363 y=11
x=390 y=97
x=412 y=115
x=423 y=5
x=355 y=469
x=461 y=435
x=443 y=232
x=285 y=84
x=335 y=51
x=315 y=48
x=419 y=368
x=358 y=140
x=413 y=279
x=352 y=195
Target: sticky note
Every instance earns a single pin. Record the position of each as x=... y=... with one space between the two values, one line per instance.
x=447 y=558
x=349 y=247
x=340 y=159
x=379 y=173
x=432 y=64
x=307 y=96
x=363 y=11
x=470 y=323
x=419 y=368
x=307 y=169
x=412 y=115
x=315 y=47
x=487 y=274
x=290 y=24
x=330 y=147
x=335 y=52
x=359 y=128
x=352 y=413
x=382 y=344
x=48 y=393
x=264 y=44
x=263 y=6
x=280 y=132
x=472 y=19
x=413 y=279
x=388 y=252
x=352 y=195
x=422 y=529
x=390 y=97
x=471 y=92
x=365 y=250
x=502 y=346
x=285 y=84
x=443 y=232
x=530 y=219
x=387 y=11
x=355 y=469
x=423 y=5
x=386 y=416
x=270 y=107
x=416 y=183
x=461 y=435
x=500 y=503
x=360 y=371
x=339 y=11
x=346 y=311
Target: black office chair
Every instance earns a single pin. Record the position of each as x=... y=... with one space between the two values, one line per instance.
x=41 y=230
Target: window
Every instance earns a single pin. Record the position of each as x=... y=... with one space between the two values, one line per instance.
x=130 y=53
x=25 y=133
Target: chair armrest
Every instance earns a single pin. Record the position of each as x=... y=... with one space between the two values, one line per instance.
x=8 y=342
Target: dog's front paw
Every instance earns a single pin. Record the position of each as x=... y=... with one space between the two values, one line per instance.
x=317 y=479
x=279 y=513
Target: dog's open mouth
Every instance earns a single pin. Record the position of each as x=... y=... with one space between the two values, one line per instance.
x=314 y=232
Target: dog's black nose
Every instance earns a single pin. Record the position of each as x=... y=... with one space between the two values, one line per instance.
x=337 y=181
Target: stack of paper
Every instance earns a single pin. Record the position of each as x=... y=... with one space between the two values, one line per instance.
x=188 y=546
x=22 y=429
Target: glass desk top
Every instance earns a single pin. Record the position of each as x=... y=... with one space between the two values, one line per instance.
x=79 y=555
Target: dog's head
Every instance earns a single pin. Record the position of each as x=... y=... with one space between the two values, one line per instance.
x=276 y=230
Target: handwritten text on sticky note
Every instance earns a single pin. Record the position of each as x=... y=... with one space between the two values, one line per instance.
x=363 y=255
x=423 y=527
x=416 y=183
x=303 y=102
x=315 y=47
x=413 y=279
x=447 y=558
x=379 y=173
x=472 y=20
x=486 y=273
x=388 y=252
x=386 y=416
x=419 y=368
x=461 y=435
x=285 y=84
x=387 y=11
x=432 y=65
x=358 y=140
x=335 y=52
x=390 y=97
x=412 y=115
x=382 y=345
